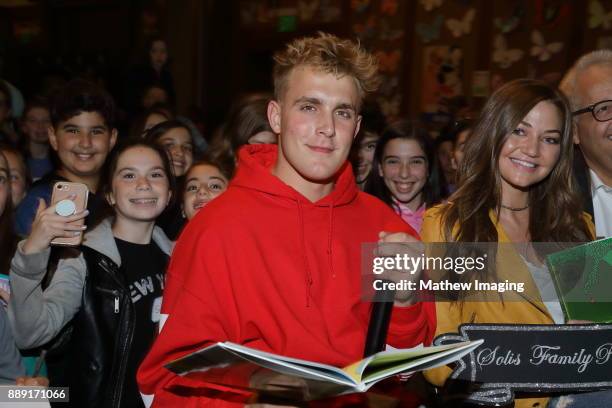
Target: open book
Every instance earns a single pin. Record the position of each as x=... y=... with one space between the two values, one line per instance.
x=225 y=363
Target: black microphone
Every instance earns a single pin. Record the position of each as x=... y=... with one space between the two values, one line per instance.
x=380 y=317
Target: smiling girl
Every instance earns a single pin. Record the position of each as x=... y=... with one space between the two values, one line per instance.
x=405 y=174
x=204 y=182
x=176 y=138
x=109 y=290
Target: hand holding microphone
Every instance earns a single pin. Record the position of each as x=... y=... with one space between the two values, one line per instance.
x=390 y=244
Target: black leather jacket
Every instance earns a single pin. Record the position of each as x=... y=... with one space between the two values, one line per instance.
x=102 y=333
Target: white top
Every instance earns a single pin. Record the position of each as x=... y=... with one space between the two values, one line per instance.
x=547 y=290
x=602 y=206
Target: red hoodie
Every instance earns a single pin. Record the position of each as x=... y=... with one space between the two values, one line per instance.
x=263 y=266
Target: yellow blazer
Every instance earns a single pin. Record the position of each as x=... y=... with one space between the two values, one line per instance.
x=450 y=315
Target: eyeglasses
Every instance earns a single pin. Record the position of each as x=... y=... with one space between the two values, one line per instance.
x=601 y=111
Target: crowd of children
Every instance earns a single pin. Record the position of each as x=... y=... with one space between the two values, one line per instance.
x=300 y=179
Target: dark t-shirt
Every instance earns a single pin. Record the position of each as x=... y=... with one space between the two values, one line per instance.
x=144 y=267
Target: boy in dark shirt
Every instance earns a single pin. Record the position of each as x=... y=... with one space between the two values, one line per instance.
x=82 y=134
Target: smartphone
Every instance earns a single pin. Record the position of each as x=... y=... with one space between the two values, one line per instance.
x=68 y=199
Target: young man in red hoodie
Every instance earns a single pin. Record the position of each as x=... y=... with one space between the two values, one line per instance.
x=274 y=263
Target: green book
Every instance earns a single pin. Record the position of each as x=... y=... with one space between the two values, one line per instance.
x=583 y=280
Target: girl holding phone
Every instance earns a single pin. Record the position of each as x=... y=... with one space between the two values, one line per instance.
x=105 y=296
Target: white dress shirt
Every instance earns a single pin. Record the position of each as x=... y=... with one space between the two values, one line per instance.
x=602 y=206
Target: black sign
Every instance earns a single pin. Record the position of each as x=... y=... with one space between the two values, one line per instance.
x=533 y=358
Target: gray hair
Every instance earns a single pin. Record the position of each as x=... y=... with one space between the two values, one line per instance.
x=593 y=58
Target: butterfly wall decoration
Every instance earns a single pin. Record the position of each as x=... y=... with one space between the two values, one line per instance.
x=542 y=50
x=461 y=27
x=502 y=55
x=598 y=16
x=509 y=24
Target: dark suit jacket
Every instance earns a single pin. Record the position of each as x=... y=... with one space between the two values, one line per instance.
x=583 y=180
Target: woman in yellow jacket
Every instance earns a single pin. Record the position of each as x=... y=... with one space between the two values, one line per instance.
x=515 y=186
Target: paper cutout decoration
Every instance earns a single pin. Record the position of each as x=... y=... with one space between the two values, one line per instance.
x=508 y=24
x=541 y=49
x=429 y=5
x=389 y=7
x=503 y=56
x=307 y=9
x=598 y=16
x=388 y=61
x=458 y=28
x=430 y=32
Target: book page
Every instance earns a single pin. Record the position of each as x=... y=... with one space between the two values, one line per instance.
x=288 y=365
x=394 y=365
x=393 y=358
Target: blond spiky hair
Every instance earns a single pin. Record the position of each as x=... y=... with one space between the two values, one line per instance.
x=329 y=54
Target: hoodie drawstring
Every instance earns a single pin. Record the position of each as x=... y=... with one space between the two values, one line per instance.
x=303 y=242
x=329 y=240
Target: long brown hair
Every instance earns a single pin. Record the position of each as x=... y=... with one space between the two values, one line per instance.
x=106 y=210
x=8 y=238
x=555 y=207
x=405 y=130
